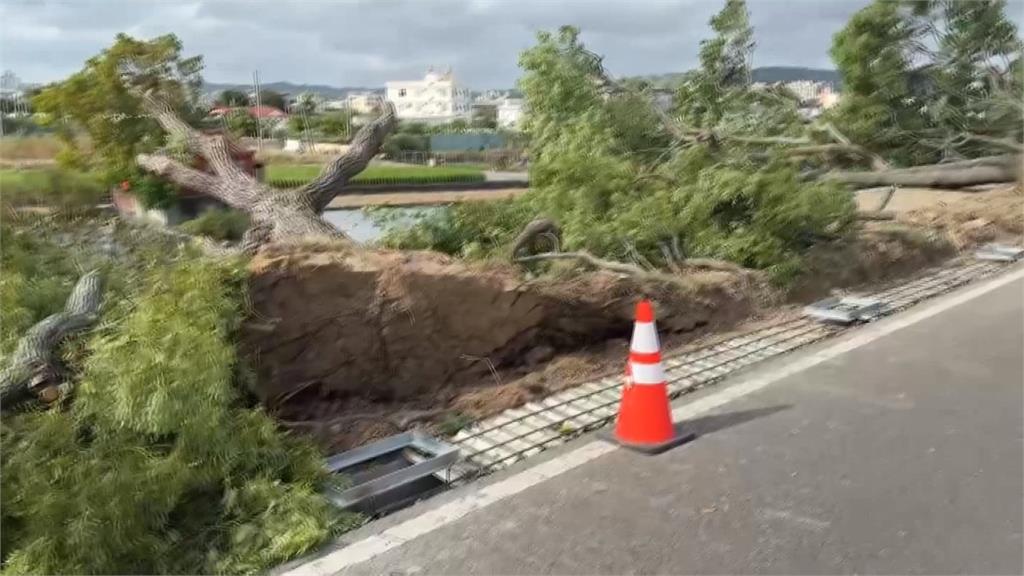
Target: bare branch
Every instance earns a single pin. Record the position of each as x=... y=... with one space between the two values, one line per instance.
x=177 y=172
x=363 y=148
x=988 y=170
x=877 y=162
x=1000 y=142
x=633 y=270
x=536 y=228
x=887 y=198
x=34 y=364
x=215 y=149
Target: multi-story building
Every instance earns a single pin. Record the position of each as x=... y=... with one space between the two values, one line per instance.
x=437 y=98
x=363 y=103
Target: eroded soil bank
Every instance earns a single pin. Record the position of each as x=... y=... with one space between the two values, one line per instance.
x=353 y=345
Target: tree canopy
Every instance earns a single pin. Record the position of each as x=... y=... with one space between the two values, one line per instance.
x=232 y=98
x=621 y=183
x=923 y=79
x=273 y=99
x=97 y=101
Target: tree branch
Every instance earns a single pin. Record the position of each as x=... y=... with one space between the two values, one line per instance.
x=987 y=170
x=877 y=162
x=177 y=172
x=362 y=149
x=536 y=228
x=1000 y=142
x=215 y=149
x=633 y=270
x=34 y=364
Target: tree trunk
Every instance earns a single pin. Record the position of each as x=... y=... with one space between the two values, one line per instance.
x=275 y=214
x=988 y=170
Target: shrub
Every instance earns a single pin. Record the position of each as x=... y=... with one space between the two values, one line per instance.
x=219 y=224
x=58 y=188
x=403 y=142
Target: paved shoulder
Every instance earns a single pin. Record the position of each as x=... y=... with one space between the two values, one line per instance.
x=903 y=455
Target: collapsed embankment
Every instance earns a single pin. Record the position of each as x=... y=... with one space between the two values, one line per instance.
x=353 y=344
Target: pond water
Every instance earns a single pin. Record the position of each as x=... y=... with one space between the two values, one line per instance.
x=361 y=227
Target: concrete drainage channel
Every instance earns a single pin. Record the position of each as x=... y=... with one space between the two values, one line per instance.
x=397 y=471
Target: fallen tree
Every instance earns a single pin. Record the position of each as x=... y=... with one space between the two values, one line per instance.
x=275 y=214
x=35 y=368
x=986 y=170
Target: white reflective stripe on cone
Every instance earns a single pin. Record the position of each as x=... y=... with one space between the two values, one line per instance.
x=645 y=338
x=647 y=373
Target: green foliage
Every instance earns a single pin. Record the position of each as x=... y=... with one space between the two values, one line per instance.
x=605 y=168
x=241 y=124
x=724 y=75
x=226 y=224
x=334 y=126
x=291 y=175
x=232 y=98
x=920 y=76
x=472 y=230
x=157 y=466
x=272 y=99
x=395 y=144
x=485 y=117
x=58 y=188
x=152 y=191
x=97 y=101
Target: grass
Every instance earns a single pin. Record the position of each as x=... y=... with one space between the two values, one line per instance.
x=43 y=147
x=52 y=187
x=298 y=174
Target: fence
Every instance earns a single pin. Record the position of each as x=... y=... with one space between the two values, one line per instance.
x=502 y=159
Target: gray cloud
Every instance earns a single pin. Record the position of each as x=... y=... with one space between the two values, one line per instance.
x=367 y=42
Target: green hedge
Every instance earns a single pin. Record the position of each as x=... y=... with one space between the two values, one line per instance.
x=52 y=187
x=388 y=180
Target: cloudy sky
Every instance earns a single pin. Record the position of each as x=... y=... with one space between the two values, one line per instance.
x=367 y=42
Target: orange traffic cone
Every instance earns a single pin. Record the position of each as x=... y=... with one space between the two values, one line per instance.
x=645 y=417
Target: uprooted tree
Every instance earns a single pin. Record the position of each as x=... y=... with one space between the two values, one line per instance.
x=275 y=214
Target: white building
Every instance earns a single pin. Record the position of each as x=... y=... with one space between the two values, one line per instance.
x=437 y=98
x=362 y=103
x=510 y=113
x=827 y=98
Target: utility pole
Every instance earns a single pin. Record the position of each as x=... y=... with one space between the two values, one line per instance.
x=259 y=107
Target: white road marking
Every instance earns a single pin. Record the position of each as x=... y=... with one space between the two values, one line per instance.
x=798 y=519
x=484 y=496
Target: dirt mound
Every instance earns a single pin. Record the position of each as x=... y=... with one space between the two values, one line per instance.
x=974 y=217
x=929 y=226
x=396 y=326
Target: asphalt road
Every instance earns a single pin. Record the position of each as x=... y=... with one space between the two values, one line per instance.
x=903 y=455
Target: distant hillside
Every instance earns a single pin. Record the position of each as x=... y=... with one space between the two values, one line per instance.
x=290 y=88
x=764 y=74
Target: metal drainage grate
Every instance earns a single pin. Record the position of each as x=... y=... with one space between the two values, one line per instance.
x=999 y=253
x=389 y=472
x=845 y=310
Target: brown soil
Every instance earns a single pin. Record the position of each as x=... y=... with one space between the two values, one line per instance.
x=400 y=339
x=418 y=330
